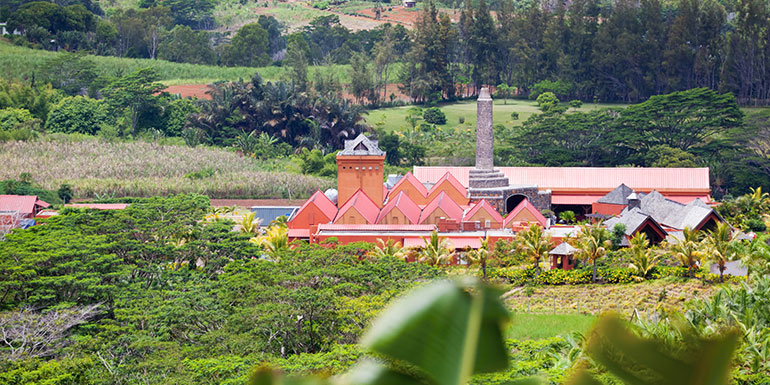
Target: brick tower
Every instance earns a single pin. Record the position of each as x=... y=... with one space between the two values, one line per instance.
x=360 y=166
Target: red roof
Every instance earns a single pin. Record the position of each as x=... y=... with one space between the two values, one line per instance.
x=409 y=178
x=299 y=233
x=452 y=180
x=363 y=204
x=457 y=243
x=525 y=205
x=483 y=205
x=322 y=202
x=99 y=206
x=598 y=178
x=374 y=227
x=24 y=204
x=450 y=207
x=404 y=204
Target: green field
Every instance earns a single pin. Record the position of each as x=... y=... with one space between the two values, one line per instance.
x=539 y=326
x=20 y=62
x=394 y=118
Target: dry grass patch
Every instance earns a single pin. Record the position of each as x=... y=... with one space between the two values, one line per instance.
x=97 y=168
x=646 y=297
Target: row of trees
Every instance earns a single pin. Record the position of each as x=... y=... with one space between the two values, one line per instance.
x=621 y=51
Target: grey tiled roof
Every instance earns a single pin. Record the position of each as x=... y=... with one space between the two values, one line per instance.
x=670 y=213
x=361 y=145
x=632 y=219
x=564 y=248
x=618 y=196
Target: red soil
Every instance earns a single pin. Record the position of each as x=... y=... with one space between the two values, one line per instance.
x=190 y=90
x=401 y=15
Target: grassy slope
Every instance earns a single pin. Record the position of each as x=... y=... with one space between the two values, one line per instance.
x=19 y=62
x=539 y=326
x=393 y=118
x=96 y=168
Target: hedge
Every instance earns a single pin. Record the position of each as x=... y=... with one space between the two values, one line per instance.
x=603 y=274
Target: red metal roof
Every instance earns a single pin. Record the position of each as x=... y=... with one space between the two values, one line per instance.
x=404 y=204
x=574 y=199
x=363 y=204
x=322 y=202
x=443 y=201
x=456 y=243
x=410 y=178
x=374 y=227
x=450 y=178
x=525 y=205
x=483 y=205
x=24 y=204
x=99 y=206
x=598 y=178
x=299 y=233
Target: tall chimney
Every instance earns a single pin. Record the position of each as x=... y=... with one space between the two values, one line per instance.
x=484 y=135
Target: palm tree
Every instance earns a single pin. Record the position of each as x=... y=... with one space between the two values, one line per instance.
x=436 y=250
x=535 y=244
x=390 y=248
x=592 y=243
x=480 y=256
x=642 y=258
x=250 y=224
x=721 y=247
x=688 y=250
x=275 y=238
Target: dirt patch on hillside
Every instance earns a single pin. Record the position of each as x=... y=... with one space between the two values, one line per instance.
x=402 y=15
x=190 y=90
x=256 y=202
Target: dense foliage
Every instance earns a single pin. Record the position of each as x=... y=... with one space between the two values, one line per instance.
x=166 y=298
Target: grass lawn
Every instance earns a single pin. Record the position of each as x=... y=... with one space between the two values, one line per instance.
x=539 y=326
x=394 y=118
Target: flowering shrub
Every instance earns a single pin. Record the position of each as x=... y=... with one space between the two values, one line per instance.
x=604 y=274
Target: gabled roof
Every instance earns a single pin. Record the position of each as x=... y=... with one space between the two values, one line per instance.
x=673 y=214
x=24 y=204
x=522 y=206
x=618 y=196
x=564 y=248
x=483 y=205
x=322 y=202
x=446 y=204
x=404 y=204
x=361 y=145
x=363 y=204
x=449 y=178
x=634 y=220
x=410 y=179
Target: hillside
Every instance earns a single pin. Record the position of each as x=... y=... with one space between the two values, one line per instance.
x=97 y=168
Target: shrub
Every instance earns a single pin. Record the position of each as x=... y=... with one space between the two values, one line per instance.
x=434 y=115
x=77 y=114
x=12 y=117
x=756 y=225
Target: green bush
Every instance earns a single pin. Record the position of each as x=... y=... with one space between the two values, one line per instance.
x=434 y=115
x=12 y=117
x=77 y=114
x=756 y=225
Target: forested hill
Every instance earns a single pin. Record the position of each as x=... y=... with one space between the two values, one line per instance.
x=622 y=51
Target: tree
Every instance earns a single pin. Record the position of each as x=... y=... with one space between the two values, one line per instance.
x=133 y=94
x=480 y=257
x=275 y=239
x=361 y=79
x=535 y=244
x=682 y=119
x=436 y=250
x=297 y=53
x=390 y=144
x=77 y=114
x=183 y=45
x=390 y=249
x=688 y=250
x=592 y=243
x=721 y=247
x=65 y=193
x=10 y=118
x=504 y=91
x=72 y=73
x=642 y=258
x=548 y=102
x=434 y=115
x=248 y=48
